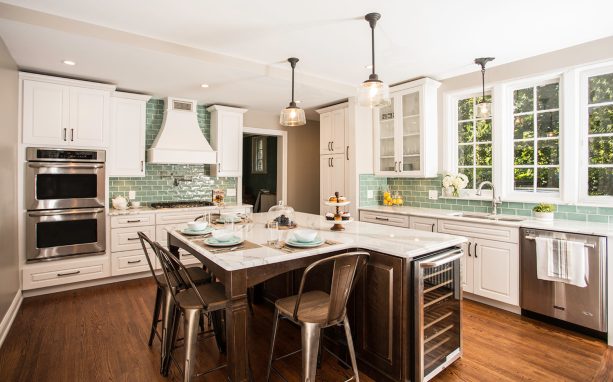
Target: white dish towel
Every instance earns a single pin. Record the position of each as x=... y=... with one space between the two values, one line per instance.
x=562 y=260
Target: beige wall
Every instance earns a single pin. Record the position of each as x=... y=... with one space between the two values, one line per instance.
x=591 y=52
x=9 y=263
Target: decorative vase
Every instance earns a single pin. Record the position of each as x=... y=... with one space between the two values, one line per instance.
x=543 y=216
x=455 y=193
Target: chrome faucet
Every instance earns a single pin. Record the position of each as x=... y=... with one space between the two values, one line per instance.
x=495 y=200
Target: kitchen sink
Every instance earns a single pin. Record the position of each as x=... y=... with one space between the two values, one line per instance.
x=504 y=218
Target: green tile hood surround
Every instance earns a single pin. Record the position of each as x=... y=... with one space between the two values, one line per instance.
x=158 y=183
x=415 y=193
x=180 y=140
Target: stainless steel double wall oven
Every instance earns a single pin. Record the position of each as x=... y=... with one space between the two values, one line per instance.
x=65 y=197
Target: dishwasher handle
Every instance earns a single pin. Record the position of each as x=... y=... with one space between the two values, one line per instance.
x=443 y=258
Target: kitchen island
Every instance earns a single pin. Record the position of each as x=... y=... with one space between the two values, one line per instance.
x=381 y=308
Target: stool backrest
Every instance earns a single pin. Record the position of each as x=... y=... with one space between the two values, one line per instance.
x=146 y=242
x=347 y=267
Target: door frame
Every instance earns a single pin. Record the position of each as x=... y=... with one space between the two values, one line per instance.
x=282 y=163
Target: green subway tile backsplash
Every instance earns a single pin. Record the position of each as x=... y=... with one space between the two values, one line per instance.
x=415 y=194
x=194 y=181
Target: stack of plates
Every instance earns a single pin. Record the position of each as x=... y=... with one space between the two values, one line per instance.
x=227 y=243
x=192 y=232
x=293 y=242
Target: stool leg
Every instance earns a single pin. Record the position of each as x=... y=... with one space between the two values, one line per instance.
x=190 y=329
x=168 y=309
x=310 y=348
x=156 y=314
x=172 y=339
x=351 y=349
x=275 y=325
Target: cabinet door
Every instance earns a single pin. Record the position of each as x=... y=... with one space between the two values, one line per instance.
x=89 y=117
x=337 y=135
x=45 y=111
x=386 y=160
x=338 y=174
x=409 y=127
x=466 y=268
x=325 y=182
x=127 y=149
x=230 y=144
x=325 y=133
x=423 y=224
x=496 y=270
x=377 y=319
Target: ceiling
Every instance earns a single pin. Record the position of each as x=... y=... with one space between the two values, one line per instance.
x=167 y=48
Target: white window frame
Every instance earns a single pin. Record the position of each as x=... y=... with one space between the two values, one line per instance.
x=583 y=124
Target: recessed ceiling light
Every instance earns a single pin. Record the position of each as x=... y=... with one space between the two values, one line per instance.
x=368 y=66
x=69 y=63
x=204 y=85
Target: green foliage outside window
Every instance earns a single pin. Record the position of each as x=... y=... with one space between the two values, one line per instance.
x=474 y=142
x=600 y=135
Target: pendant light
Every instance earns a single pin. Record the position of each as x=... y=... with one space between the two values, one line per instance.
x=292 y=115
x=373 y=92
x=484 y=108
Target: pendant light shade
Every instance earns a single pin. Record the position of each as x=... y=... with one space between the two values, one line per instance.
x=484 y=108
x=373 y=92
x=292 y=115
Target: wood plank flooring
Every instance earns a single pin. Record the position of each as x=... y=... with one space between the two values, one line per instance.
x=100 y=334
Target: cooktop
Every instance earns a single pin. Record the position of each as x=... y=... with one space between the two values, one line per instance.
x=182 y=204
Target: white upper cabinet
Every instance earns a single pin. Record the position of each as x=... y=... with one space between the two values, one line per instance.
x=227 y=140
x=126 y=156
x=406 y=132
x=59 y=112
x=332 y=132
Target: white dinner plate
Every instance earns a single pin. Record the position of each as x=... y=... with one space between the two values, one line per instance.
x=292 y=242
x=191 y=232
x=216 y=243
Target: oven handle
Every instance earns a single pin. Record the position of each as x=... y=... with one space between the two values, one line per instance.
x=65 y=165
x=55 y=213
x=444 y=258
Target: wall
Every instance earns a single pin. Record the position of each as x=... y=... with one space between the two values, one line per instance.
x=252 y=183
x=158 y=184
x=9 y=262
x=303 y=168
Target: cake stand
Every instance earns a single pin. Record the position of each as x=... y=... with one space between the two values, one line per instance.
x=339 y=225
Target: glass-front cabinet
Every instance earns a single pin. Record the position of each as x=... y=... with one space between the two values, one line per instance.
x=406 y=131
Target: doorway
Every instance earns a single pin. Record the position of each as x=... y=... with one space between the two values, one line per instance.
x=264 y=167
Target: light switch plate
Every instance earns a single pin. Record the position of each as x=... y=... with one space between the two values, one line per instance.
x=370 y=194
x=131 y=195
x=231 y=192
x=433 y=194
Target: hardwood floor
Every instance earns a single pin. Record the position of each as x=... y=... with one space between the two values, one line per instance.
x=100 y=334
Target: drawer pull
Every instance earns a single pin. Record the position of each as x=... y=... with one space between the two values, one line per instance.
x=134 y=261
x=68 y=273
x=433 y=227
x=133 y=238
x=134 y=221
x=383 y=219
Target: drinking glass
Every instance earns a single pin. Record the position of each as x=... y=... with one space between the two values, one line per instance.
x=273 y=234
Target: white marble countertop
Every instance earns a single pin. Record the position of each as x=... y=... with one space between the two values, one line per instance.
x=149 y=210
x=588 y=228
x=400 y=242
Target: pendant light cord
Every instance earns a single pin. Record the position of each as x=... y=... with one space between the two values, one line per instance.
x=372 y=38
x=293 y=66
x=483 y=81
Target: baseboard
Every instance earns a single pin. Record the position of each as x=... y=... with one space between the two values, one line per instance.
x=494 y=303
x=9 y=317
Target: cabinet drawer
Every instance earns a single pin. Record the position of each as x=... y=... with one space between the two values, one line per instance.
x=477 y=230
x=423 y=224
x=127 y=262
x=126 y=239
x=132 y=220
x=65 y=272
x=383 y=218
x=180 y=217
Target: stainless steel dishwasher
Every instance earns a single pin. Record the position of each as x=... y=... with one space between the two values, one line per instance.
x=586 y=307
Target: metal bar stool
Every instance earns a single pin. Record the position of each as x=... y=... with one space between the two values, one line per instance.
x=163 y=298
x=317 y=310
x=191 y=301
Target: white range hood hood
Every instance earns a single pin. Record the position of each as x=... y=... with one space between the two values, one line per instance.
x=180 y=140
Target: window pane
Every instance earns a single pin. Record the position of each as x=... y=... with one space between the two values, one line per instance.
x=524 y=179
x=600 y=150
x=600 y=88
x=523 y=100
x=469 y=174
x=484 y=130
x=465 y=109
x=547 y=152
x=524 y=153
x=483 y=174
x=600 y=181
x=601 y=119
x=524 y=127
x=547 y=96
x=548 y=178
x=548 y=124
x=484 y=155
x=465 y=132
x=465 y=155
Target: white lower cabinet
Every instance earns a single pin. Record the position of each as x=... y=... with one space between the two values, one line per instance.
x=127 y=254
x=129 y=262
x=423 y=224
x=65 y=272
x=384 y=218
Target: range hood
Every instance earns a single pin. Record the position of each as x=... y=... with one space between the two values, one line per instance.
x=180 y=140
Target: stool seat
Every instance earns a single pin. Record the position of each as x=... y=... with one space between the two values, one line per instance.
x=314 y=306
x=197 y=274
x=213 y=293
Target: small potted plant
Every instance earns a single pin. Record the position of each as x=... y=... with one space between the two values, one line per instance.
x=544 y=211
